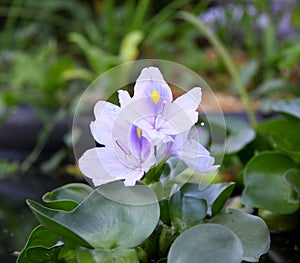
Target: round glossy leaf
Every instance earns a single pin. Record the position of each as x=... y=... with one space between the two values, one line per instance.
x=238 y=140
x=101 y=256
x=105 y=223
x=251 y=230
x=68 y=196
x=42 y=246
x=293 y=178
x=291 y=107
x=279 y=222
x=283 y=136
x=266 y=186
x=215 y=195
x=164 y=211
x=207 y=243
x=240 y=134
x=186 y=211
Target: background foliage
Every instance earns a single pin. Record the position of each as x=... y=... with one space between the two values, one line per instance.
x=51 y=50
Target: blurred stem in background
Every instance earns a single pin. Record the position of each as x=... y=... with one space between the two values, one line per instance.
x=270 y=42
x=10 y=23
x=228 y=62
x=49 y=123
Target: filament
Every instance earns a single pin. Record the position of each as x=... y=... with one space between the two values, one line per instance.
x=122 y=148
x=197 y=131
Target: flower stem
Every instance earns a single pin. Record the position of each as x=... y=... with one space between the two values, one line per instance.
x=228 y=62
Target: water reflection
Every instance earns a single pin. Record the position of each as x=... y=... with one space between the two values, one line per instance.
x=16 y=219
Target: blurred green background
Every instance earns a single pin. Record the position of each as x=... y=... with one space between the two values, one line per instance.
x=51 y=50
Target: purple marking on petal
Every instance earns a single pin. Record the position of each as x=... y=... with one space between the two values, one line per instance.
x=151 y=85
x=154 y=76
x=138 y=144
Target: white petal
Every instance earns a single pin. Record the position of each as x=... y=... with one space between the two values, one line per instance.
x=184 y=147
x=190 y=100
x=102 y=166
x=132 y=177
x=202 y=164
x=196 y=156
x=124 y=98
x=172 y=120
x=149 y=162
x=152 y=76
x=104 y=107
x=91 y=166
x=178 y=120
x=192 y=148
x=98 y=182
x=101 y=128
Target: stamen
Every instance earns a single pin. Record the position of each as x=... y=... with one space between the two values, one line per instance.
x=157 y=118
x=197 y=131
x=121 y=147
x=163 y=107
x=159 y=115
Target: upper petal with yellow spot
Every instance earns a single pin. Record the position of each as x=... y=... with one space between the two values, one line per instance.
x=155 y=96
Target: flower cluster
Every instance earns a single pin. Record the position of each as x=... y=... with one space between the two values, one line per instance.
x=145 y=130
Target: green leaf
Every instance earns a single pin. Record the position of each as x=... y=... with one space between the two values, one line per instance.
x=289 y=56
x=249 y=71
x=164 y=211
x=272 y=85
x=52 y=164
x=121 y=255
x=192 y=202
x=151 y=245
x=68 y=196
x=251 y=230
x=265 y=184
x=295 y=17
x=111 y=216
x=186 y=211
x=283 y=136
x=54 y=73
x=67 y=253
x=129 y=45
x=172 y=169
x=26 y=70
x=42 y=246
x=51 y=220
x=166 y=238
x=163 y=260
x=240 y=134
x=209 y=243
x=293 y=178
x=291 y=107
x=238 y=140
x=172 y=174
x=215 y=195
x=279 y=222
x=99 y=60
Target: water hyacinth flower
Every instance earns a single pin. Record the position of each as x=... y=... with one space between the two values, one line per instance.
x=186 y=148
x=152 y=107
x=145 y=129
x=127 y=154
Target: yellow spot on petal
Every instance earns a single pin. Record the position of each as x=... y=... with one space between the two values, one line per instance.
x=155 y=96
x=139 y=132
